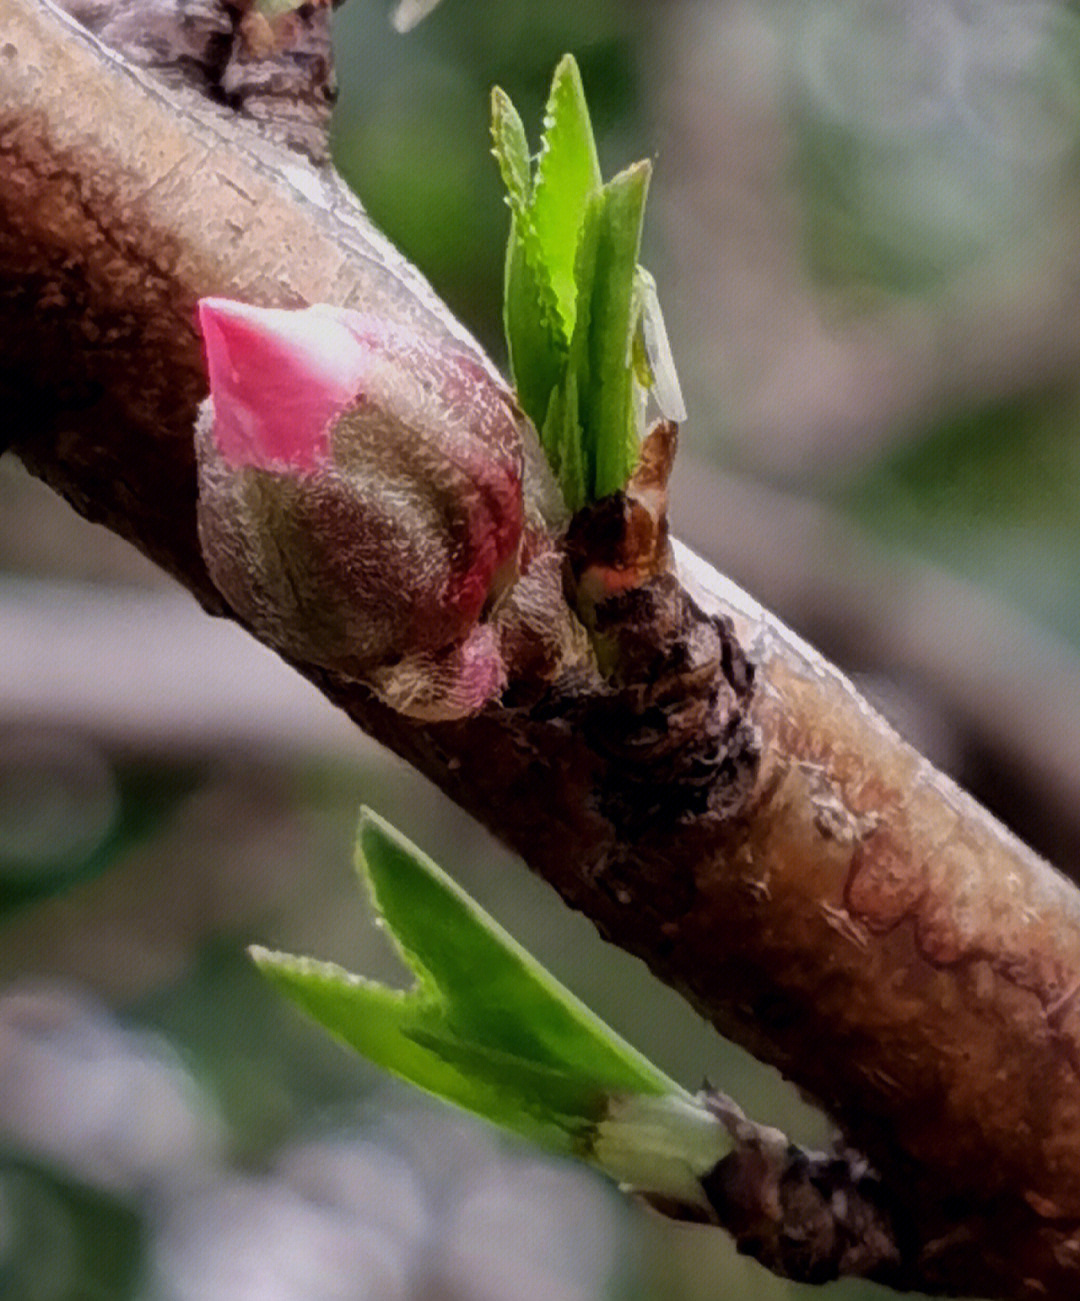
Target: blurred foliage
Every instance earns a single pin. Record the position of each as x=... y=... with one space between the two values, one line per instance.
x=60 y=828
x=994 y=493
x=936 y=152
x=266 y=1068
x=928 y=136
x=63 y=1241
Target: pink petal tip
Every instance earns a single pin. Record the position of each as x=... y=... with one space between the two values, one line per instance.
x=278 y=379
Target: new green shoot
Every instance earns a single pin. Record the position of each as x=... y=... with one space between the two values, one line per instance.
x=487 y=1028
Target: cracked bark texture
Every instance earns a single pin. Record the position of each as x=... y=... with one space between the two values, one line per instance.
x=816 y=889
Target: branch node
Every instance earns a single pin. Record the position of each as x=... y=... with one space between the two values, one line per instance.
x=808 y=1216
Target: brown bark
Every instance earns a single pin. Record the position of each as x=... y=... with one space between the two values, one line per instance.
x=727 y=808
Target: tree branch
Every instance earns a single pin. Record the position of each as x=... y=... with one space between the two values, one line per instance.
x=733 y=813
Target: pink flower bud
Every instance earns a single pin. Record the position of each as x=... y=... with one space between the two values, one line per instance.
x=360 y=495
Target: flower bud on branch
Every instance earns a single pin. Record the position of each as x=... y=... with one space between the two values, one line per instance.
x=360 y=499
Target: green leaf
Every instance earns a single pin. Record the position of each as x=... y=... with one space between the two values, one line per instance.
x=534 y=334
x=579 y=361
x=609 y=410
x=511 y=150
x=484 y=1026
x=567 y=176
x=652 y=349
x=563 y=441
x=536 y=339
x=67 y=1240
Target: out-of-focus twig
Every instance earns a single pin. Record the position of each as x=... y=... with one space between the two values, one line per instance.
x=147 y=669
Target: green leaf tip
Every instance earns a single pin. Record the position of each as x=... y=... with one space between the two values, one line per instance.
x=486 y=1027
x=567 y=176
x=511 y=149
x=611 y=415
x=583 y=329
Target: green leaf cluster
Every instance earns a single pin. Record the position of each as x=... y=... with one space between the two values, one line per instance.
x=485 y=1026
x=583 y=323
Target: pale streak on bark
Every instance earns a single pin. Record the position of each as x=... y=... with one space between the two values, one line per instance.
x=858 y=921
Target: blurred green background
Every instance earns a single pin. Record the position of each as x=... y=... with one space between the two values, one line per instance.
x=864 y=226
